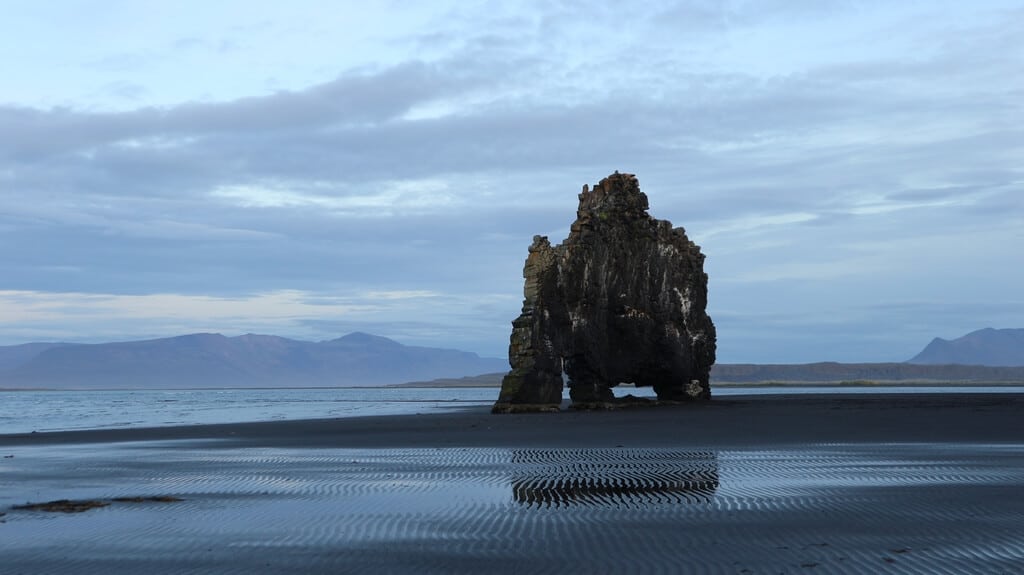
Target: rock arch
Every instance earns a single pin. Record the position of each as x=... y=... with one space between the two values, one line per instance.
x=622 y=299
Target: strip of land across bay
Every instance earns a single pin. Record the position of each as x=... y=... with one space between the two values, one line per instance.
x=824 y=373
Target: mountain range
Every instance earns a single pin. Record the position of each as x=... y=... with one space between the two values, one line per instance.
x=1002 y=347
x=207 y=360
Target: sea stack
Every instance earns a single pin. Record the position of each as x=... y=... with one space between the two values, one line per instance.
x=621 y=300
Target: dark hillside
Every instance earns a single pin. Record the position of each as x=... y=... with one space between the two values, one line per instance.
x=999 y=347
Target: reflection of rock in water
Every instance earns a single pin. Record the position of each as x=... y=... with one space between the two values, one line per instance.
x=613 y=477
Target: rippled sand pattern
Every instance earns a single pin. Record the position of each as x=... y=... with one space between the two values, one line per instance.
x=915 y=508
x=613 y=478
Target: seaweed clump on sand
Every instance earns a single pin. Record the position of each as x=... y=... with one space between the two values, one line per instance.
x=63 y=506
x=155 y=499
x=622 y=300
x=80 y=506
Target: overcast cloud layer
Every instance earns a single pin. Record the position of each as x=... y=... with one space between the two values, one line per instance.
x=853 y=170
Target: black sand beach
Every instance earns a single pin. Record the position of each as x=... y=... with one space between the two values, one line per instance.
x=914 y=483
x=745 y=421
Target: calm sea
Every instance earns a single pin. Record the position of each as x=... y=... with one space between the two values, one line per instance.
x=27 y=411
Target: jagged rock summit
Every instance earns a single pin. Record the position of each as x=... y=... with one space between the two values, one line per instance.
x=621 y=300
x=994 y=347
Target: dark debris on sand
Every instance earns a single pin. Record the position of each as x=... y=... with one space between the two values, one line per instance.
x=156 y=499
x=72 y=506
x=62 y=506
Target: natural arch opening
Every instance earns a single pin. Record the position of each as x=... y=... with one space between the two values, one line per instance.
x=626 y=389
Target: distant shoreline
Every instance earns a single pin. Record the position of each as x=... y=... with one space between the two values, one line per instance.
x=493 y=380
x=448 y=384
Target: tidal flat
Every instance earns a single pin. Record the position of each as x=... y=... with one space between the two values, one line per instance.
x=770 y=484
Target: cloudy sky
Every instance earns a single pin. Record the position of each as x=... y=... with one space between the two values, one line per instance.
x=854 y=171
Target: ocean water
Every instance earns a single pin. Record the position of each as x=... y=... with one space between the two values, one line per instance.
x=28 y=411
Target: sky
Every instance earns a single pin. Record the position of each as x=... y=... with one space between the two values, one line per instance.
x=854 y=171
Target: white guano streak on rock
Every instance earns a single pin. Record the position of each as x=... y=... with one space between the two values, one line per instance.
x=684 y=300
x=577 y=319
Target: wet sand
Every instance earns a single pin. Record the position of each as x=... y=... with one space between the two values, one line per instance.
x=744 y=421
x=771 y=484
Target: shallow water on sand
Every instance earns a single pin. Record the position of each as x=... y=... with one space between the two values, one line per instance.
x=900 y=508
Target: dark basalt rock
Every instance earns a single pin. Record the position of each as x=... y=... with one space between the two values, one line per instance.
x=622 y=299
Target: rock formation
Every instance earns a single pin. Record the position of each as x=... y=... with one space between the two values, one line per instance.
x=621 y=300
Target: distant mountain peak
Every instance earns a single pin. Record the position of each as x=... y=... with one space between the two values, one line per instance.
x=363 y=338
x=201 y=336
x=257 y=337
x=986 y=346
x=361 y=335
